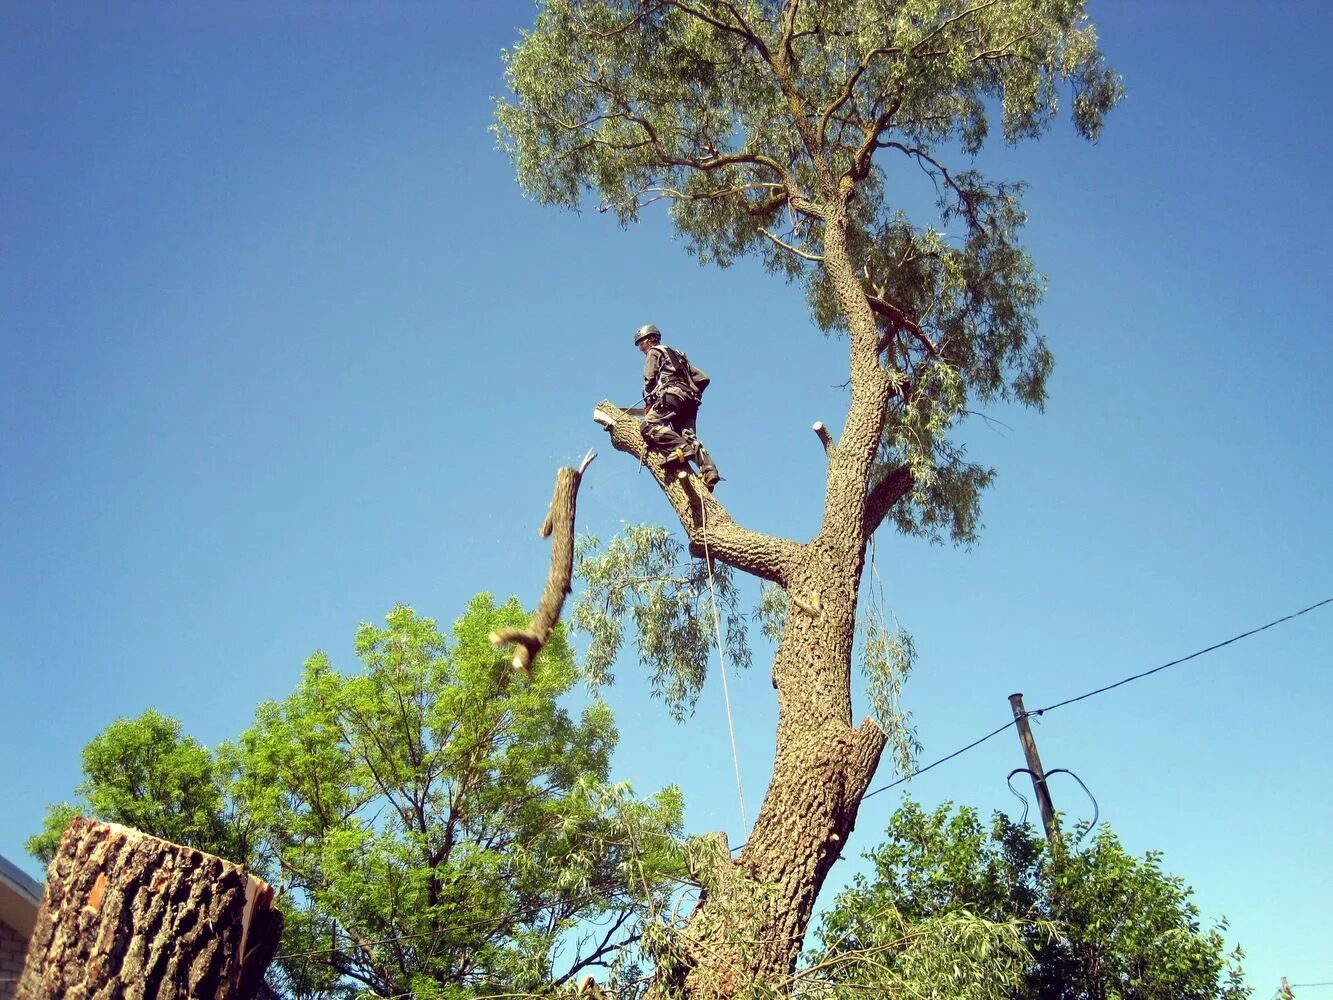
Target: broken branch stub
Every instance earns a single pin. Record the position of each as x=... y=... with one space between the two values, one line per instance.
x=559 y=526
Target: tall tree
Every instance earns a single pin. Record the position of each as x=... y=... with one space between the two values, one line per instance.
x=787 y=130
x=1123 y=927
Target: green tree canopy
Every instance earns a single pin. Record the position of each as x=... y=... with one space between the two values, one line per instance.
x=1123 y=928
x=800 y=133
x=145 y=773
x=435 y=826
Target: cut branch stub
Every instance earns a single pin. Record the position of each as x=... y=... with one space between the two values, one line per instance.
x=822 y=433
x=128 y=915
x=559 y=526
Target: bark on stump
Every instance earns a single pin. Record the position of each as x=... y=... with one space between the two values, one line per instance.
x=128 y=915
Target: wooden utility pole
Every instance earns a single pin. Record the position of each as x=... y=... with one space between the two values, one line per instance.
x=1038 y=776
x=127 y=915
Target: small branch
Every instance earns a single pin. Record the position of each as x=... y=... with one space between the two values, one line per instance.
x=530 y=640
x=881 y=306
x=815 y=258
x=887 y=492
x=950 y=21
x=922 y=158
x=822 y=433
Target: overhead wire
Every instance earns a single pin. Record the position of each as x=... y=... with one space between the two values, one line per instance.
x=1097 y=691
x=1096 y=809
x=1183 y=659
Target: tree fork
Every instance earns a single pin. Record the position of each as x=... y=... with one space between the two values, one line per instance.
x=560 y=516
x=128 y=915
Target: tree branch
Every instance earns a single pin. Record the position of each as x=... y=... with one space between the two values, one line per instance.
x=789 y=30
x=815 y=258
x=880 y=305
x=594 y=957
x=921 y=155
x=949 y=21
x=849 y=88
x=530 y=640
x=740 y=29
x=895 y=485
x=765 y=556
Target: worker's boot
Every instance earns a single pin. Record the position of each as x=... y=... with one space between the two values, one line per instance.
x=710 y=476
x=676 y=463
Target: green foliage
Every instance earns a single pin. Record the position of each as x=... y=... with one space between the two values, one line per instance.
x=435 y=825
x=753 y=118
x=145 y=774
x=956 y=954
x=644 y=575
x=886 y=660
x=771 y=612
x=887 y=656
x=444 y=824
x=1125 y=929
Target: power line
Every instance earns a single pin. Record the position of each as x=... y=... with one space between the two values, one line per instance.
x=956 y=753
x=1101 y=690
x=1146 y=673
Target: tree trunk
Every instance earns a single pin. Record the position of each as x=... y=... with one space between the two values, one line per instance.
x=128 y=915
x=750 y=921
x=752 y=915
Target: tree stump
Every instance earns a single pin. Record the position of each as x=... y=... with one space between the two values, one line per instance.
x=126 y=915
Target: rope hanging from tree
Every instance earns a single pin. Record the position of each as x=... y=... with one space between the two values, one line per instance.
x=722 y=660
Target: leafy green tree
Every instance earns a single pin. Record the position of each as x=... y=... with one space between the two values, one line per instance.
x=146 y=774
x=795 y=132
x=1125 y=929
x=436 y=826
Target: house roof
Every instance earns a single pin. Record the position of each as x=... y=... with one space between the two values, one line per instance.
x=20 y=895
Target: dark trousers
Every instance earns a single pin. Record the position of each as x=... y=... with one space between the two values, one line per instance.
x=670 y=425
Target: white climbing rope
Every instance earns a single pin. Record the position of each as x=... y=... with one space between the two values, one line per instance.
x=722 y=659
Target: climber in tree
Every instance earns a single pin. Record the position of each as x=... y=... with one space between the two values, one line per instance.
x=672 y=389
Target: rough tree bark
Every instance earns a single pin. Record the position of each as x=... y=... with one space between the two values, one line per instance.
x=560 y=520
x=128 y=915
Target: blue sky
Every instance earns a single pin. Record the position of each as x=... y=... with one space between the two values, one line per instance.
x=284 y=345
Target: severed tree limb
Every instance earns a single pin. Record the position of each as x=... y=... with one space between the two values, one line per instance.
x=560 y=523
x=822 y=433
